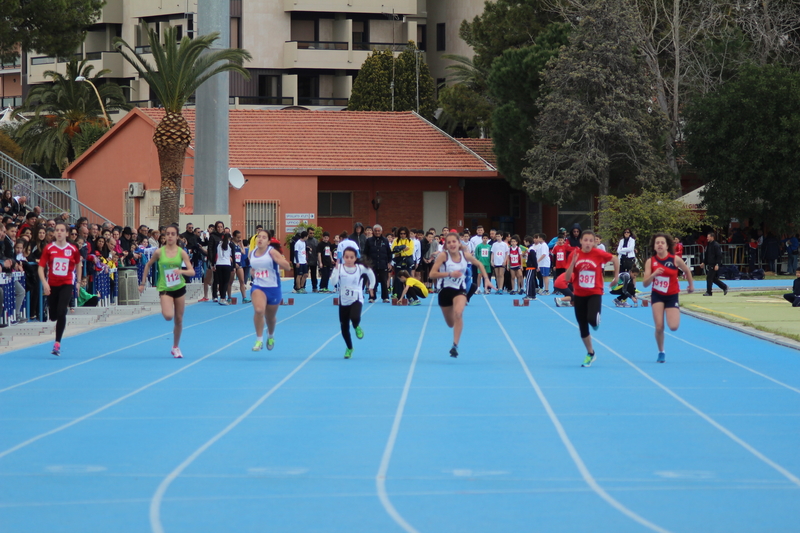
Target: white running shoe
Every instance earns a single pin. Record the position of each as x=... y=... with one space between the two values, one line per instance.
x=176 y=353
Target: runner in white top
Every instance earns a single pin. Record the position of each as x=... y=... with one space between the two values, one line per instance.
x=453 y=268
x=499 y=257
x=265 y=262
x=349 y=275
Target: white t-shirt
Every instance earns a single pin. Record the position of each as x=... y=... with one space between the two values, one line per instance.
x=474 y=242
x=300 y=251
x=499 y=253
x=224 y=256
x=415 y=256
x=349 y=281
x=543 y=250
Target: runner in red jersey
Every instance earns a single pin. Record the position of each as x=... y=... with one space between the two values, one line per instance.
x=662 y=271
x=586 y=272
x=62 y=261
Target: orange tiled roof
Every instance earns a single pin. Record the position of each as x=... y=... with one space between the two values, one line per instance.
x=339 y=140
x=482 y=147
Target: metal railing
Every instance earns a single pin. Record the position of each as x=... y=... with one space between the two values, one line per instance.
x=380 y=46
x=339 y=102
x=50 y=195
x=321 y=45
x=265 y=100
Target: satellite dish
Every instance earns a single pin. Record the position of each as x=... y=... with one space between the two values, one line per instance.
x=236 y=178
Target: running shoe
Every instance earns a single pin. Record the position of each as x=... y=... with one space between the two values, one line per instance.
x=371 y=300
x=636 y=303
x=529 y=298
x=348 y=353
x=662 y=357
x=706 y=294
x=454 y=351
x=270 y=343
x=359 y=332
x=559 y=303
x=315 y=291
x=56 y=349
x=176 y=353
x=499 y=292
x=246 y=300
x=387 y=301
x=203 y=299
x=545 y=292
x=302 y=291
x=223 y=302
x=259 y=345
x=215 y=300
x=624 y=304
x=590 y=357
x=295 y=291
x=415 y=302
x=725 y=291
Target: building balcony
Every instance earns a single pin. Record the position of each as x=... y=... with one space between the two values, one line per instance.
x=322 y=101
x=111 y=60
x=157 y=8
x=264 y=101
x=398 y=7
x=331 y=54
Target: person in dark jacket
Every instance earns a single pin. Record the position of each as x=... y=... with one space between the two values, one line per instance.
x=574 y=237
x=359 y=236
x=794 y=296
x=214 y=238
x=311 y=253
x=379 y=253
x=711 y=262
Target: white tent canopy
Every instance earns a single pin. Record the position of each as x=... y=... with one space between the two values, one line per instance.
x=693 y=198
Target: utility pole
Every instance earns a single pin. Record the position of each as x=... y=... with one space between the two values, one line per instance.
x=211 y=131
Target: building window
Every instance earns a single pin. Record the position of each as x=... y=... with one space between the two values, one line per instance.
x=269 y=86
x=335 y=204
x=441 y=41
x=178 y=32
x=236 y=32
x=422 y=37
x=578 y=210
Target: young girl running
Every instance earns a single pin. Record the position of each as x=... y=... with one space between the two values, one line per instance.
x=265 y=261
x=62 y=261
x=662 y=271
x=171 y=285
x=586 y=272
x=348 y=275
x=453 y=268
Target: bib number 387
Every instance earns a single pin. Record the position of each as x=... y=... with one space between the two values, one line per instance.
x=586 y=279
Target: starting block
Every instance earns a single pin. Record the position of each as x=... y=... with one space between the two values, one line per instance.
x=336 y=301
x=400 y=302
x=290 y=301
x=234 y=300
x=522 y=303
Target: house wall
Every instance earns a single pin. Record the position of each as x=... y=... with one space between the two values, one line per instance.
x=401 y=201
x=295 y=194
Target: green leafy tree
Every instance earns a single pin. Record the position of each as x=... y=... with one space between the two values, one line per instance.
x=89 y=134
x=597 y=124
x=465 y=103
x=646 y=214
x=58 y=111
x=744 y=140
x=180 y=68
x=9 y=147
x=515 y=83
x=372 y=89
x=51 y=27
x=505 y=24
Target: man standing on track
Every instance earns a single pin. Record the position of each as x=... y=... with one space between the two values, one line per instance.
x=379 y=253
x=712 y=262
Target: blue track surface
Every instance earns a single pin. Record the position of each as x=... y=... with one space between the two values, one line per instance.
x=512 y=436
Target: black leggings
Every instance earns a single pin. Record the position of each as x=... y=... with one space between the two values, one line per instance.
x=58 y=303
x=587 y=311
x=348 y=314
x=222 y=276
x=414 y=293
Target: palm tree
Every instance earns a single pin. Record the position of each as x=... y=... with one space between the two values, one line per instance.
x=60 y=111
x=180 y=68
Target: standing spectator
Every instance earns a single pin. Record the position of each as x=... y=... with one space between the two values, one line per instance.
x=223 y=266
x=325 y=255
x=379 y=253
x=574 y=238
x=212 y=241
x=189 y=236
x=429 y=250
x=300 y=259
x=359 y=237
x=772 y=250
x=711 y=262
x=311 y=254
x=626 y=250
x=792 y=245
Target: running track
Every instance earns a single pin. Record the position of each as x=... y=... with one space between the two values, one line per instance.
x=512 y=436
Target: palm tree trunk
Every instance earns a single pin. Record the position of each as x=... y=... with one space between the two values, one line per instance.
x=170 y=162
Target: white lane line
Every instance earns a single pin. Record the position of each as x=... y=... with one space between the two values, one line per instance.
x=130 y=394
x=380 y=478
x=158 y=497
x=756 y=372
x=573 y=453
x=728 y=433
x=110 y=353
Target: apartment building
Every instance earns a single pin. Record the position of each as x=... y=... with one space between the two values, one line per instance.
x=305 y=52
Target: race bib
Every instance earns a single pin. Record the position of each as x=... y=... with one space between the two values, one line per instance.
x=485 y=252
x=60 y=266
x=327 y=252
x=171 y=277
x=499 y=254
x=349 y=292
x=560 y=256
x=514 y=260
x=261 y=274
x=661 y=284
x=238 y=257
x=586 y=279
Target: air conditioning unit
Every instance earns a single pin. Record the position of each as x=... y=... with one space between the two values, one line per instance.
x=136 y=190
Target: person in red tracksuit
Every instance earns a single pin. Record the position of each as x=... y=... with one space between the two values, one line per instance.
x=586 y=272
x=61 y=259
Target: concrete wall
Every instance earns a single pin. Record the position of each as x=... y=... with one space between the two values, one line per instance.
x=452 y=13
x=265 y=27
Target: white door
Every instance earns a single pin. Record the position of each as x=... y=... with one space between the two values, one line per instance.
x=434 y=210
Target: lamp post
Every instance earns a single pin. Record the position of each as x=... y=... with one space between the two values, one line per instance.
x=82 y=78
